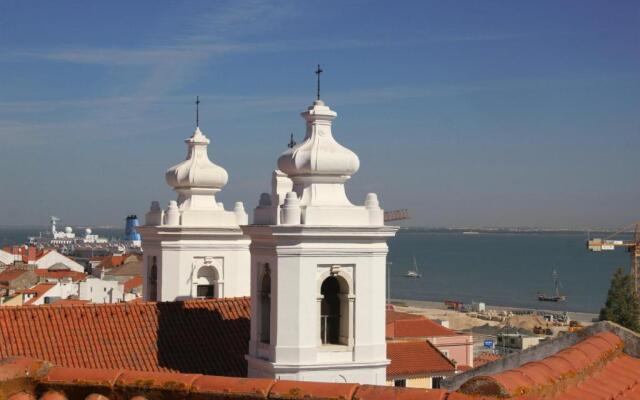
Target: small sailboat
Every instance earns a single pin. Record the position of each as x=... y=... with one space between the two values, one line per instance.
x=413 y=273
x=557 y=296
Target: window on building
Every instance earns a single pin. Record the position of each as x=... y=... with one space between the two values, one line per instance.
x=265 y=306
x=207 y=279
x=205 y=291
x=436 y=382
x=400 y=383
x=153 y=280
x=334 y=311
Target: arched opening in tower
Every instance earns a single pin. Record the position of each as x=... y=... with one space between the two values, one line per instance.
x=330 y=317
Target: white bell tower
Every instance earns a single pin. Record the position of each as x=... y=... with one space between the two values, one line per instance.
x=318 y=268
x=195 y=248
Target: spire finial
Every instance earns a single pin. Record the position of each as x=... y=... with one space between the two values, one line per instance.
x=318 y=72
x=197 y=111
x=291 y=142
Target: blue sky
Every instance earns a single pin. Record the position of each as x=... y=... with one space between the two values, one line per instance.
x=493 y=113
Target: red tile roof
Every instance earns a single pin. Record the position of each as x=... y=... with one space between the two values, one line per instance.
x=133 y=283
x=39 y=290
x=416 y=358
x=393 y=316
x=409 y=325
x=485 y=357
x=69 y=302
x=205 y=336
x=112 y=261
x=593 y=368
x=74 y=275
x=9 y=275
x=22 y=377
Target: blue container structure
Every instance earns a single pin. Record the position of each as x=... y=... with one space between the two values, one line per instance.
x=130 y=232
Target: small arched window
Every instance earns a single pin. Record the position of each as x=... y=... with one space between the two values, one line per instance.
x=334 y=311
x=207 y=278
x=265 y=306
x=153 y=279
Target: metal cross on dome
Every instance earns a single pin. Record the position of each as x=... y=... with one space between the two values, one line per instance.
x=197 y=111
x=318 y=72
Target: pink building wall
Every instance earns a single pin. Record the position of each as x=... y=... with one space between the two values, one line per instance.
x=459 y=348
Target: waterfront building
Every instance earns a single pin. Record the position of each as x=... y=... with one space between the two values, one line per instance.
x=195 y=248
x=417 y=364
x=456 y=346
x=317 y=267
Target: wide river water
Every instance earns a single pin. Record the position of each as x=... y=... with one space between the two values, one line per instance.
x=506 y=269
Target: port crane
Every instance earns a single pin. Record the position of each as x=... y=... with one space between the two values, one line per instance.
x=632 y=246
x=396 y=215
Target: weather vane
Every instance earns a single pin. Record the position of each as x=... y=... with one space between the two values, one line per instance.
x=197 y=111
x=291 y=142
x=318 y=72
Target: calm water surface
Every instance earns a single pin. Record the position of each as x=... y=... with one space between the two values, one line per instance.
x=502 y=268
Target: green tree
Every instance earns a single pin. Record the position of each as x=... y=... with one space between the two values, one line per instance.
x=622 y=306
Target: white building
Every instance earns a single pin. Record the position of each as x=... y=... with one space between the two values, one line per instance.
x=98 y=290
x=52 y=257
x=195 y=248
x=318 y=268
x=6 y=258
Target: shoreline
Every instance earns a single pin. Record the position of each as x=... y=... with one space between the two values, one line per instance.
x=583 y=317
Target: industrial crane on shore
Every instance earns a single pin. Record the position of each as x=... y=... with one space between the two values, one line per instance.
x=632 y=246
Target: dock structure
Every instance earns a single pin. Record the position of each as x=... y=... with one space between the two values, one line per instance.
x=632 y=246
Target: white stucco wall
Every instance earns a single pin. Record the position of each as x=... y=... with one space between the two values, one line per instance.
x=6 y=258
x=180 y=254
x=299 y=263
x=100 y=291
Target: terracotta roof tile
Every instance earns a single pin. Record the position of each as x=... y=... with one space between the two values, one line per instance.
x=416 y=358
x=81 y=376
x=372 y=392
x=22 y=396
x=393 y=316
x=238 y=387
x=9 y=275
x=60 y=382
x=312 y=390
x=213 y=335
x=417 y=328
x=113 y=260
x=74 y=275
x=39 y=290
x=70 y=302
x=133 y=283
x=594 y=367
x=484 y=358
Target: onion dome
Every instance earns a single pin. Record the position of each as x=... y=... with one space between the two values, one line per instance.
x=197 y=171
x=319 y=154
